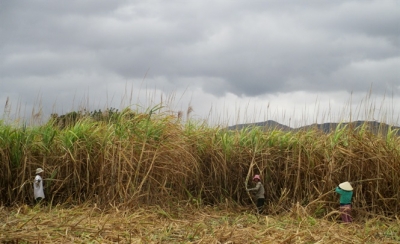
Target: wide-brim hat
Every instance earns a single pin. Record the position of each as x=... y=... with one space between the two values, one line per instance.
x=256 y=177
x=39 y=170
x=346 y=186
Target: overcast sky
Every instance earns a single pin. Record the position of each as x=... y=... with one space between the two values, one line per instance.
x=232 y=61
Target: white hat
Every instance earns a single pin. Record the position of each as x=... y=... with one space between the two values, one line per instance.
x=39 y=170
x=346 y=186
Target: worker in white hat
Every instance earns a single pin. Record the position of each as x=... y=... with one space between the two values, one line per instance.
x=346 y=193
x=38 y=192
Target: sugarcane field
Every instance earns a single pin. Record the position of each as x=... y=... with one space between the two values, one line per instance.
x=147 y=177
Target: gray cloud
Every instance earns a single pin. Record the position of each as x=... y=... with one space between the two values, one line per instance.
x=245 y=48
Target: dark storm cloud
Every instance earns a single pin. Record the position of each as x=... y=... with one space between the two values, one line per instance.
x=248 y=48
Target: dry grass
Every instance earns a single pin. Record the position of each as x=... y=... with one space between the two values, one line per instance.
x=183 y=224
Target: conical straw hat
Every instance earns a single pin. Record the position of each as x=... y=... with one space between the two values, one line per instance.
x=346 y=186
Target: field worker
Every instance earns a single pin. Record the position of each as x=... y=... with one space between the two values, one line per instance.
x=346 y=193
x=38 y=192
x=259 y=189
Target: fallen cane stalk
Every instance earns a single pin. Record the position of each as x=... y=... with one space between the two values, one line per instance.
x=19 y=227
x=319 y=198
x=358 y=181
x=248 y=176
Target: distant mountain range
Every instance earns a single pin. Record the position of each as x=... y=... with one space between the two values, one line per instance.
x=373 y=126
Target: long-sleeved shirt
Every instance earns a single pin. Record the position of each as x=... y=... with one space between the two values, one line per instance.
x=38 y=187
x=260 y=190
x=345 y=196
